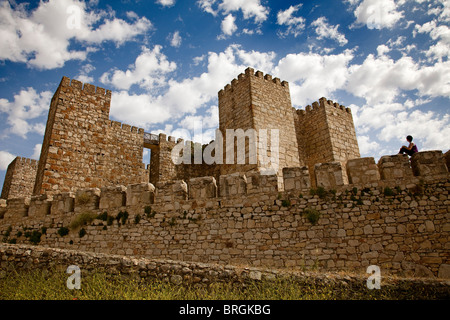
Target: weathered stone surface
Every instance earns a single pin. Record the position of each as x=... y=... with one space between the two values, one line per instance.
x=168 y=191
x=233 y=184
x=87 y=199
x=296 y=178
x=19 y=178
x=395 y=167
x=40 y=206
x=202 y=188
x=428 y=163
x=444 y=271
x=362 y=171
x=113 y=197
x=330 y=175
x=140 y=194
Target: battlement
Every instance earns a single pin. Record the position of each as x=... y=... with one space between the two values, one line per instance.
x=126 y=127
x=249 y=73
x=87 y=88
x=26 y=161
x=321 y=105
x=362 y=172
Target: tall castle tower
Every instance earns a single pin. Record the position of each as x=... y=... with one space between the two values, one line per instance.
x=256 y=101
x=82 y=148
x=326 y=133
x=322 y=133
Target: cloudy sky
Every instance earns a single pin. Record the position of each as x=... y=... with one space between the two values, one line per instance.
x=165 y=61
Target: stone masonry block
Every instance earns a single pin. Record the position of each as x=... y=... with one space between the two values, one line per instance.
x=202 y=188
x=140 y=194
x=17 y=207
x=87 y=199
x=233 y=184
x=329 y=175
x=428 y=163
x=362 y=170
x=169 y=191
x=113 y=197
x=395 y=167
x=261 y=183
x=63 y=203
x=296 y=178
x=40 y=206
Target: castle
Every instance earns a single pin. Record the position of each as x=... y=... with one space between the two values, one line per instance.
x=83 y=148
x=324 y=206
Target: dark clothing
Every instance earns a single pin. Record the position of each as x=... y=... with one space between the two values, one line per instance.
x=409 y=152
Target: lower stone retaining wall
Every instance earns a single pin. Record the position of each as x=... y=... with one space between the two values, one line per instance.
x=15 y=257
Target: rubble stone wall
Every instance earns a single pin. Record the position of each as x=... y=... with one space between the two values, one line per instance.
x=400 y=225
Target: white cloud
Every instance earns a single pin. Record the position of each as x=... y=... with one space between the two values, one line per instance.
x=207 y=6
x=250 y=8
x=175 y=39
x=5 y=159
x=382 y=49
x=295 y=25
x=166 y=3
x=312 y=76
x=27 y=105
x=36 y=151
x=381 y=79
x=188 y=95
x=441 y=35
x=392 y=122
x=148 y=71
x=377 y=14
x=228 y=26
x=83 y=76
x=325 y=30
x=42 y=38
x=366 y=146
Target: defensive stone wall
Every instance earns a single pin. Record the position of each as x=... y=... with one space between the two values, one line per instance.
x=19 y=178
x=399 y=224
x=26 y=257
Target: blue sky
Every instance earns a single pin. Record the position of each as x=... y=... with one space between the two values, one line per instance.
x=165 y=61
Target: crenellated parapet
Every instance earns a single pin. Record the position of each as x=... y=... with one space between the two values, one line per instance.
x=251 y=74
x=86 y=88
x=390 y=171
x=322 y=104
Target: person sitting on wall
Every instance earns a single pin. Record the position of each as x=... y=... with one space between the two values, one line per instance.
x=410 y=149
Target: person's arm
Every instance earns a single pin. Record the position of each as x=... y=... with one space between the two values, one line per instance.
x=411 y=145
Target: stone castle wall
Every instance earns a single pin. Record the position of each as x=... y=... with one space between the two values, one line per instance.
x=392 y=219
x=82 y=148
x=19 y=178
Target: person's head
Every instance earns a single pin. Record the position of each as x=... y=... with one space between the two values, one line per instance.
x=409 y=138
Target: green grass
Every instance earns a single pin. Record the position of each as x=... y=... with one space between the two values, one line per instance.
x=51 y=285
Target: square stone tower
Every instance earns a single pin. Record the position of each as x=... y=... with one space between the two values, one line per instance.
x=82 y=148
x=256 y=101
x=19 y=178
x=326 y=133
